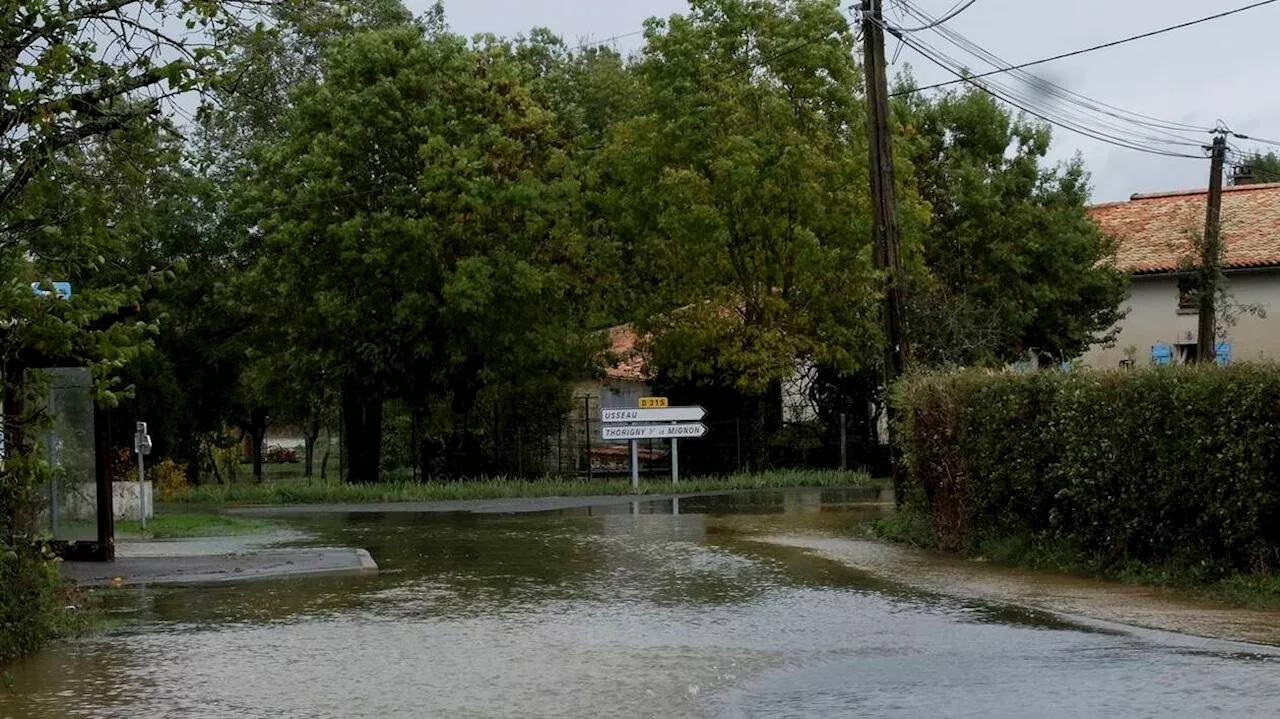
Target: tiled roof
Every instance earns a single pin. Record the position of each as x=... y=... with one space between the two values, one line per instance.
x=630 y=364
x=1154 y=231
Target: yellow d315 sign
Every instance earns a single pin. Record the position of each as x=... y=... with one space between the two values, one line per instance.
x=653 y=402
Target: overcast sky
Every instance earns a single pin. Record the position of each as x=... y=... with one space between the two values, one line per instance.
x=1225 y=69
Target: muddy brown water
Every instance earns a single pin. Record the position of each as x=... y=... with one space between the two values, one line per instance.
x=623 y=611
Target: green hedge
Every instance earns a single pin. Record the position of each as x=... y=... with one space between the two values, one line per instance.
x=1176 y=466
x=30 y=607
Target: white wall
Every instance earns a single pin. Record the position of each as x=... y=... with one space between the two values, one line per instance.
x=1153 y=317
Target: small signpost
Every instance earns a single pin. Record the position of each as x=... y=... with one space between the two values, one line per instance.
x=655 y=418
x=142 y=446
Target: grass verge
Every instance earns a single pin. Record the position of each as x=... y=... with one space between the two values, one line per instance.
x=498 y=488
x=186 y=525
x=1257 y=591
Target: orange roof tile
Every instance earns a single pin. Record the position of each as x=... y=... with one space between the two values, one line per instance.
x=1154 y=231
x=630 y=365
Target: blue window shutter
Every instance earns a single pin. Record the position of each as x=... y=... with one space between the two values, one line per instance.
x=1223 y=353
x=1161 y=353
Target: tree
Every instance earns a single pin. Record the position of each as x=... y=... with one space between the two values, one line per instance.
x=417 y=233
x=81 y=69
x=738 y=198
x=193 y=384
x=741 y=191
x=1011 y=262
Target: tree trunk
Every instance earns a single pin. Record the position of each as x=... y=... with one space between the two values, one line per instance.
x=14 y=444
x=313 y=433
x=414 y=450
x=324 y=461
x=258 y=430
x=213 y=462
x=373 y=440
x=362 y=418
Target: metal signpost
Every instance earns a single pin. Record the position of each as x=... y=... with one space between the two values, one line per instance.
x=142 y=445
x=644 y=423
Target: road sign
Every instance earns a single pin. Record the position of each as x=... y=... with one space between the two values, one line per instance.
x=652 y=402
x=141 y=440
x=653 y=431
x=668 y=414
x=61 y=290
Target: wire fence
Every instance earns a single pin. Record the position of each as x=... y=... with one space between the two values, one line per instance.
x=731 y=445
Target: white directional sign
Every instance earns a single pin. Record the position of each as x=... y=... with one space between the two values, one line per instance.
x=654 y=431
x=667 y=414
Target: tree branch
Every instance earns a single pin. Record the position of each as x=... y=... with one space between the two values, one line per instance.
x=42 y=154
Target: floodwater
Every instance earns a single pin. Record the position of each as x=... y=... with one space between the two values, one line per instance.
x=618 y=611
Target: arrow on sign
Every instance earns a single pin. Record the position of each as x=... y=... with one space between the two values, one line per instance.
x=668 y=414
x=654 y=431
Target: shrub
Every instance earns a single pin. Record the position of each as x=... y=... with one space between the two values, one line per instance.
x=123 y=465
x=30 y=606
x=169 y=478
x=1175 y=466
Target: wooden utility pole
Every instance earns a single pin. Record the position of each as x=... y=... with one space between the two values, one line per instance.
x=886 y=238
x=1211 y=256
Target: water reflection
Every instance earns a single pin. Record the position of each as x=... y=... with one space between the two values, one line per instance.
x=659 y=609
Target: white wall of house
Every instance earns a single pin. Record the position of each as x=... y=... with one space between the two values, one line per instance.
x=1153 y=317
x=797 y=395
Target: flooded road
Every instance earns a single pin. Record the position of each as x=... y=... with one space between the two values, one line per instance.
x=619 y=610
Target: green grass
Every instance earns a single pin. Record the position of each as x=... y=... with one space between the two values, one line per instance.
x=496 y=488
x=1259 y=590
x=185 y=525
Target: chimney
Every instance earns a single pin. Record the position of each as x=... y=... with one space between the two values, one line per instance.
x=1243 y=175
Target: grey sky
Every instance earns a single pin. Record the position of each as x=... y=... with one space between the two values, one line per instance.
x=1219 y=70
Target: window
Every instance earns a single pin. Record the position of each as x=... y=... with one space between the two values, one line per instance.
x=1186 y=353
x=1188 y=302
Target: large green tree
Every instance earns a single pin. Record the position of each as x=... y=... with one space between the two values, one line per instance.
x=740 y=192
x=417 y=233
x=1012 y=263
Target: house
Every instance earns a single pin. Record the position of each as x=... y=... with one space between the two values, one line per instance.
x=626 y=380
x=1154 y=233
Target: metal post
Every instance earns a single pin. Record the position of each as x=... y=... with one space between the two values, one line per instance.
x=844 y=442
x=586 y=417
x=635 y=466
x=675 y=506
x=675 y=462
x=142 y=491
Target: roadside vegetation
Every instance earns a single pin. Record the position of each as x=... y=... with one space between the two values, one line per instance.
x=375 y=228
x=1256 y=590
x=495 y=488
x=181 y=525
x=1166 y=477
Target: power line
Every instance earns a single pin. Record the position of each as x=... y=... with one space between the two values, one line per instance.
x=1255 y=139
x=1065 y=118
x=613 y=38
x=1061 y=92
x=1242 y=159
x=1068 y=124
x=955 y=10
x=1094 y=48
